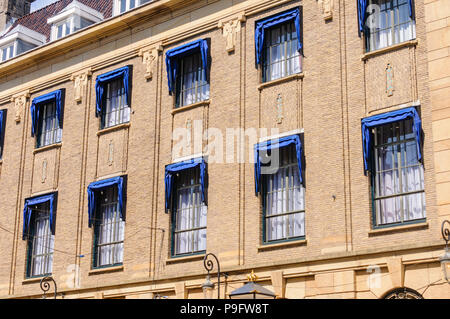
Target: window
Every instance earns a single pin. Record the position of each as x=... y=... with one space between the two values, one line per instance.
x=116 y=110
x=389 y=22
x=124 y=5
x=40 y=242
x=192 y=85
x=7 y=52
x=49 y=131
x=281 y=57
x=189 y=217
x=109 y=229
x=63 y=29
x=398 y=177
x=284 y=199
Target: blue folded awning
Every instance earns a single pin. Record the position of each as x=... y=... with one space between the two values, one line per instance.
x=171 y=169
x=56 y=96
x=27 y=211
x=103 y=79
x=96 y=186
x=386 y=118
x=362 y=14
x=174 y=55
x=273 y=144
x=2 y=127
x=263 y=25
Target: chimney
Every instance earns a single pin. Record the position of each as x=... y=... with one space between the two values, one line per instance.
x=11 y=10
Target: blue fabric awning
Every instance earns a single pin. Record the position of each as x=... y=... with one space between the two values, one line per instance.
x=386 y=118
x=2 y=127
x=174 y=55
x=102 y=79
x=27 y=211
x=273 y=144
x=96 y=186
x=263 y=25
x=171 y=169
x=56 y=96
x=362 y=14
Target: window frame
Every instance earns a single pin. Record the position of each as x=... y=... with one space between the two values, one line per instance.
x=197 y=71
x=265 y=216
x=370 y=42
x=401 y=195
x=193 y=171
x=117 y=5
x=31 y=242
x=123 y=107
x=285 y=60
x=98 y=223
x=56 y=129
x=11 y=51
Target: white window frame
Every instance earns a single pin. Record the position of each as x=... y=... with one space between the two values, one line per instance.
x=73 y=14
x=22 y=33
x=10 y=54
x=116 y=6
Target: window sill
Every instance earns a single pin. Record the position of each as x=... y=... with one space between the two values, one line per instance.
x=173 y=260
x=288 y=244
x=113 y=128
x=281 y=80
x=105 y=270
x=190 y=106
x=391 y=48
x=394 y=229
x=34 y=280
x=47 y=147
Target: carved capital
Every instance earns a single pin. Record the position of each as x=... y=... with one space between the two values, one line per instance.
x=149 y=56
x=80 y=81
x=326 y=6
x=20 y=101
x=230 y=28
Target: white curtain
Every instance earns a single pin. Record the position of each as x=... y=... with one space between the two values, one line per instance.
x=111 y=231
x=396 y=177
x=285 y=194
x=43 y=243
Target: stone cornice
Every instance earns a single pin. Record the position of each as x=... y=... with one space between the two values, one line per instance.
x=115 y=25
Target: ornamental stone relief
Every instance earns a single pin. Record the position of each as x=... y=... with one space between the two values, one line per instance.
x=80 y=81
x=149 y=56
x=20 y=101
x=326 y=7
x=230 y=29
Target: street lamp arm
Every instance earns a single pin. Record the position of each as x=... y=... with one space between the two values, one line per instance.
x=209 y=266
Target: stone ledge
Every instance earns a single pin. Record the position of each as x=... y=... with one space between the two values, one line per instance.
x=190 y=106
x=174 y=260
x=281 y=80
x=288 y=244
x=105 y=270
x=47 y=147
x=394 y=229
x=113 y=128
x=391 y=48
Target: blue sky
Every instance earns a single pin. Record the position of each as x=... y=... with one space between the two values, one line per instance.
x=36 y=5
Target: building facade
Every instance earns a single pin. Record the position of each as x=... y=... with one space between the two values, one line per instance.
x=307 y=141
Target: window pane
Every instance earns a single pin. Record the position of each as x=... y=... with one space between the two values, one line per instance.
x=117 y=110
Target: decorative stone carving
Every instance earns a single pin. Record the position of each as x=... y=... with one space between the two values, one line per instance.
x=20 y=101
x=80 y=81
x=149 y=56
x=327 y=8
x=230 y=29
x=44 y=171
x=111 y=153
x=389 y=80
x=279 y=109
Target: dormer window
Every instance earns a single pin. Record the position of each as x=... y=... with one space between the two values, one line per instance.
x=18 y=41
x=72 y=18
x=121 y=6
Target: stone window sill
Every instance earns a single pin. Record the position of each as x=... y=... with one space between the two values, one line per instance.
x=33 y=280
x=190 y=106
x=113 y=128
x=281 y=80
x=391 y=48
x=288 y=244
x=105 y=270
x=174 y=260
x=47 y=147
x=394 y=229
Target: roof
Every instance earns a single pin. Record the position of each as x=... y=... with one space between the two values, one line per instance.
x=37 y=20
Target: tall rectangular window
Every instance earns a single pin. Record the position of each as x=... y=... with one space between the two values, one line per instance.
x=109 y=230
x=189 y=223
x=191 y=85
x=398 y=177
x=40 y=242
x=388 y=23
x=284 y=199
x=116 y=110
x=280 y=53
x=49 y=131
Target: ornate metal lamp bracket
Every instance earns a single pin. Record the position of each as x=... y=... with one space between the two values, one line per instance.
x=45 y=286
